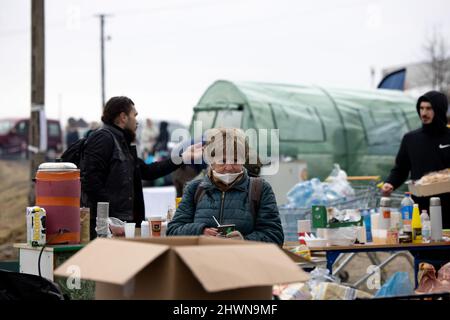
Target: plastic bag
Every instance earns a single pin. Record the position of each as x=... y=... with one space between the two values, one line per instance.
x=314 y=192
x=397 y=285
x=338 y=183
x=116 y=226
x=337 y=173
x=319 y=275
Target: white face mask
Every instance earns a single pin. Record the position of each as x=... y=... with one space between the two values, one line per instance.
x=227 y=178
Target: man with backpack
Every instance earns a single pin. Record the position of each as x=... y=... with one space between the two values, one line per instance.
x=110 y=168
x=228 y=196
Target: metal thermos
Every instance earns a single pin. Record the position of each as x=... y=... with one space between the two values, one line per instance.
x=436 y=219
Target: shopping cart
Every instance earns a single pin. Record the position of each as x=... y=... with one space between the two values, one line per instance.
x=367 y=195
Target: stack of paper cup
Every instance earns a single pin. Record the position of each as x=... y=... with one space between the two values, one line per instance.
x=102 y=226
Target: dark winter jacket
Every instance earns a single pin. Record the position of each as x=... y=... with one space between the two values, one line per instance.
x=426 y=149
x=229 y=207
x=112 y=172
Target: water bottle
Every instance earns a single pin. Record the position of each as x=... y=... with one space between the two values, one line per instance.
x=368 y=224
x=426 y=226
x=406 y=208
x=436 y=219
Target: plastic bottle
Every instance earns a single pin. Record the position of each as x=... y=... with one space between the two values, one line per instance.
x=416 y=225
x=367 y=224
x=385 y=214
x=406 y=208
x=426 y=226
x=145 y=229
x=436 y=219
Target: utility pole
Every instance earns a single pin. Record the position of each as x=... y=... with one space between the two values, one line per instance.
x=37 y=91
x=102 y=54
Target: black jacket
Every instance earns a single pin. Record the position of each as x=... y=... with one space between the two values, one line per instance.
x=112 y=172
x=426 y=149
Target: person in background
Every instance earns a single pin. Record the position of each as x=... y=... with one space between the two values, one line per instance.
x=112 y=172
x=424 y=150
x=163 y=138
x=71 y=132
x=147 y=137
x=94 y=125
x=225 y=196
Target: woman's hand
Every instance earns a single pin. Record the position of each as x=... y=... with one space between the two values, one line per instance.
x=210 y=232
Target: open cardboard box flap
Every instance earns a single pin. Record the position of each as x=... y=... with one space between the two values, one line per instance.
x=217 y=264
x=235 y=266
x=112 y=261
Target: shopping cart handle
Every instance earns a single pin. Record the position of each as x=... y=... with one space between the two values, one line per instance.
x=363 y=178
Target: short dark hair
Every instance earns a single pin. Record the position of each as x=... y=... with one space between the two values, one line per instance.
x=114 y=107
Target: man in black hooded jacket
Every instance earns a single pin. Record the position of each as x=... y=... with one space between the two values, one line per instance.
x=425 y=150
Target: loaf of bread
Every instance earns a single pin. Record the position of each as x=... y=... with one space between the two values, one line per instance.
x=435 y=177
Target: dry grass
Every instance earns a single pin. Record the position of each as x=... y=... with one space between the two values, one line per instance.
x=14 y=186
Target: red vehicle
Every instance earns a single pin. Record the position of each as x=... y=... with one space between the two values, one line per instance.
x=14 y=137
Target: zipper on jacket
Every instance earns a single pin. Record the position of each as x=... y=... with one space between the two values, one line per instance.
x=221 y=207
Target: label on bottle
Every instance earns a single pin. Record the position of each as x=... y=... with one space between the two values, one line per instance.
x=417 y=232
x=406 y=212
x=386 y=214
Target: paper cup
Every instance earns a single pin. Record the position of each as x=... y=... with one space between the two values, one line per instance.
x=156 y=226
x=130 y=230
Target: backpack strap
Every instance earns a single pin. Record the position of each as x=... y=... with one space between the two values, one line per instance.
x=255 y=190
x=199 y=193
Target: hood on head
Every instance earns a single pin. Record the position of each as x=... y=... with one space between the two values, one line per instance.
x=439 y=103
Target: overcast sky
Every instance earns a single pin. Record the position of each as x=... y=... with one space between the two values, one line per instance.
x=164 y=54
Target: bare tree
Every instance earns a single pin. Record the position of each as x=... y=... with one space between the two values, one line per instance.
x=437 y=54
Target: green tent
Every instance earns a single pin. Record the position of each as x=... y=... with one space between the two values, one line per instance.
x=359 y=129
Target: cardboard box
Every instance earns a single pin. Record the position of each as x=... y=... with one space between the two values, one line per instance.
x=429 y=189
x=183 y=268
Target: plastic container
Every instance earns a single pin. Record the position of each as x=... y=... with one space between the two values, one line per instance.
x=406 y=208
x=58 y=191
x=416 y=225
x=316 y=243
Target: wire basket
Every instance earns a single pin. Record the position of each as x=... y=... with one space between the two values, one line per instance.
x=367 y=196
x=289 y=218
